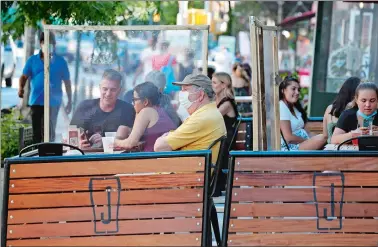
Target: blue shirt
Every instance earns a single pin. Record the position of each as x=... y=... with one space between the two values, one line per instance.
x=34 y=68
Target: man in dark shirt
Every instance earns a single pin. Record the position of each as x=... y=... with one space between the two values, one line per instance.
x=106 y=114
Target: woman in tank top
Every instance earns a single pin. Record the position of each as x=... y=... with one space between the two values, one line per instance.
x=225 y=100
x=333 y=111
x=151 y=120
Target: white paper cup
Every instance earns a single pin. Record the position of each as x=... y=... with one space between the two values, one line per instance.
x=110 y=134
x=108 y=144
x=65 y=140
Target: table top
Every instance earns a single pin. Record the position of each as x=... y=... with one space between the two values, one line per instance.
x=333 y=147
x=93 y=151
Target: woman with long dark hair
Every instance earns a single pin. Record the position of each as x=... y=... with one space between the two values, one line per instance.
x=333 y=111
x=151 y=120
x=293 y=118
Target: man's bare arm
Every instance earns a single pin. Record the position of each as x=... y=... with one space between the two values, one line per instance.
x=21 y=85
x=67 y=84
x=161 y=144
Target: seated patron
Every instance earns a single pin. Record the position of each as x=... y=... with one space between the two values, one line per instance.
x=106 y=114
x=205 y=123
x=358 y=119
x=241 y=77
x=151 y=120
x=225 y=100
x=293 y=118
x=333 y=111
x=159 y=80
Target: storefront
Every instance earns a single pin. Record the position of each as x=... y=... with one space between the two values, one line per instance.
x=346 y=44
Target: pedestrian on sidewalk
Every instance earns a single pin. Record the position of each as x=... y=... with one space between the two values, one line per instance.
x=34 y=69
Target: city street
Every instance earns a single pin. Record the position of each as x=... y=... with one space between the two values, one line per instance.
x=10 y=98
x=87 y=88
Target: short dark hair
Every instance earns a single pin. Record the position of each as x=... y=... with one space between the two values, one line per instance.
x=42 y=38
x=113 y=75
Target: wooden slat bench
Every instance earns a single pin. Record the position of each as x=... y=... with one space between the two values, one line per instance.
x=245 y=131
x=315 y=125
x=293 y=199
x=140 y=199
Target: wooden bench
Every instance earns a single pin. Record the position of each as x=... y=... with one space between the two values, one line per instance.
x=140 y=199
x=245 y=131
x=315 y=125
x=288 y=199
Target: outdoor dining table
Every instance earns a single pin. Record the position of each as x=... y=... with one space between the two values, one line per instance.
x=333 y=147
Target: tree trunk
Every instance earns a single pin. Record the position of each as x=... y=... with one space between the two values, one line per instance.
x=29 y=51
x=230 y=31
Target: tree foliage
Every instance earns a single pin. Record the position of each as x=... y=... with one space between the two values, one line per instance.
x=168 y=12
x=262 y=10
x=10 y=125
x=15 y=16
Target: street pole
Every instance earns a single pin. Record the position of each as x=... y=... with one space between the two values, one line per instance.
x=29 y=51
x=183 y=11
x=280 y=11
x=77 y=67
x=279 y=19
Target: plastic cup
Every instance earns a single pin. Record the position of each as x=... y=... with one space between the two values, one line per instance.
x=65 y=140
x=108 y=144
x=110 y=134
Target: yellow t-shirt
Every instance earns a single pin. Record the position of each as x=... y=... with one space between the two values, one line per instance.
x=199 y=130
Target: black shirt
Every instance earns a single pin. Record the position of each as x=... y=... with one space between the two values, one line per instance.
x=348 y=120
x=229 y=121
x=89 y=116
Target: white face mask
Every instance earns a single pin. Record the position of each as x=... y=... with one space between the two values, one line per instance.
x=184 y=99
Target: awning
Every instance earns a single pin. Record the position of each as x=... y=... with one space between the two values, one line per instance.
x=288 y=21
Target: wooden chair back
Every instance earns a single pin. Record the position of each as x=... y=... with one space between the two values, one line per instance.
x=140 y=199
x=302 y=199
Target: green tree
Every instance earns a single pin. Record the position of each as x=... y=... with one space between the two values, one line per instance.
x=240 y=16
x=168 y=11
x=196 y=4
x=17 y=16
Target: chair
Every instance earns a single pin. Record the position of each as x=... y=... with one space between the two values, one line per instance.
x=139 y=199
x=213 y=185
x=289 y=199
x=365 y=143
x=244 y=134
x=49 y=149
x=25 y=137
x=233 y=139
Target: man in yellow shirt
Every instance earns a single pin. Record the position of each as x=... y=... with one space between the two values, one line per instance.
x=205 y=123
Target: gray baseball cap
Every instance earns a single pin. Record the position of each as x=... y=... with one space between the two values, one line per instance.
x=199 y=80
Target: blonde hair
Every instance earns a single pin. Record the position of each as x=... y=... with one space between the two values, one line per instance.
x=225 y=78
